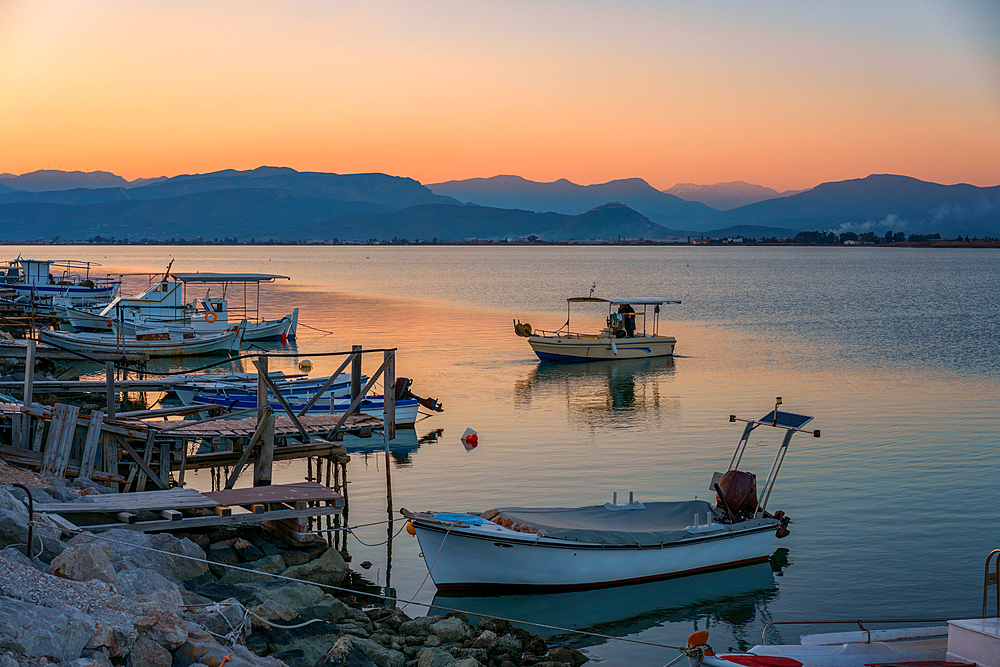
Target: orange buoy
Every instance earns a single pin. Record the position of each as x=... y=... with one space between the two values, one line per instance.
x=410 y=529
x=699 y=638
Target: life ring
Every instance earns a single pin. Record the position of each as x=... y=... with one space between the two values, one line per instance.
x=210 y=317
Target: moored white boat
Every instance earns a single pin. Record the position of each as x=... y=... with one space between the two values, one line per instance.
x=406 y=409
x=515 y=549
x=620 y=339
x=163 y=343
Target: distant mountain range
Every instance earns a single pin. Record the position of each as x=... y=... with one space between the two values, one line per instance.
x=562 y=196
x=283 y=204
x=725 y=196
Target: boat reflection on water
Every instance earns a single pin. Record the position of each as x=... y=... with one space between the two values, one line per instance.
x=625 y=392
x=734 y=597
x=401 y=447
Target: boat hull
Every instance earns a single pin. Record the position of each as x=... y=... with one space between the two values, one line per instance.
x=406 y=410
x=472 y=559
x=154 y=348
x=577 y=349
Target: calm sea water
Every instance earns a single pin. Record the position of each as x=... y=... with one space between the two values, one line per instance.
x=893 y=351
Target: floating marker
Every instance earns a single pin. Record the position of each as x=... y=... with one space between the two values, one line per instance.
x=305 y=365
x=470 y=439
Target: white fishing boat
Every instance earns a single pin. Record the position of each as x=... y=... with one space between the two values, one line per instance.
x=164 y=305
x=620 y=339
x=243 y=384
x=47 y=279
x=513 y=549
x=162 y=343
x=971 y=642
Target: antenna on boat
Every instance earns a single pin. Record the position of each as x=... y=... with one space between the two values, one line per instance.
x=777 y=402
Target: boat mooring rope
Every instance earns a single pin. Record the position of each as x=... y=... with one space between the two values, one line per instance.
x=685 y=651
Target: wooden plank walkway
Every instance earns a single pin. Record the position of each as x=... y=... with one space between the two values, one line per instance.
x=277 y=503
x=283 y=426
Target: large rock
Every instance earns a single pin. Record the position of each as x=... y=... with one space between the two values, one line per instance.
x=434 y=657
x=56 y=632
x=85 y=561
x=345 y=654
x=301 y=647
x=227 y=619
x=568 y=655
x=380 y=655
x=14 y=530
x=14 y=554
x=272 y=612
x=333 y=610
x=451 y=630
x=201 y=648
x=163 y=628
x=329 y=569
x=265 y=565
x=288 y=593
x=175 y=559
x=418 y=626
x=147 y=653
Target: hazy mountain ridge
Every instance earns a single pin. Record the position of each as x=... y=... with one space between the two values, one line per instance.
x=45 y=180
x=565 y=197
x=880 y=201
x=282 y=203
x=726 y=196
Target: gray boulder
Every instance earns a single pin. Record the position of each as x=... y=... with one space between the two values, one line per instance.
x=434 y=657
x=380 y=655
x=266 y=565
x=60 y=632
x=451 y=630
x=344 y=653
x=15 y=555
x=147 y=653
x=175 y=559
x=329 y=569
x=85 y=561
x=226 y=619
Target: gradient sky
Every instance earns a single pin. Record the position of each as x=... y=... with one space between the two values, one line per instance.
x=784 y=94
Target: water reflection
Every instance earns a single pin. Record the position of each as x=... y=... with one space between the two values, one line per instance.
x=401 y=448
x=627 y=393
x=733 y=597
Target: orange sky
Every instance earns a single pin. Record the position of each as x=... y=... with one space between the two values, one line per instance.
x=786 y=95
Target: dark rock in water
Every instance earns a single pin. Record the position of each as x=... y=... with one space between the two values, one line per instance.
x=344 y=653
x=567 y=655
x=536 y=646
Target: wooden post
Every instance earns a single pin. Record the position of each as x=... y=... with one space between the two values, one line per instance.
x=356 y=375
x=29 y=380
x=165 y=462
x=389 y=395
x=109 y=373
x=265 y=461
x=91 y=443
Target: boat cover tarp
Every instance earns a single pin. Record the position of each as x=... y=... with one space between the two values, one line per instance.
x=658 y=523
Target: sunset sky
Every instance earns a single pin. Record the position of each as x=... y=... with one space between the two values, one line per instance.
x=784 y=94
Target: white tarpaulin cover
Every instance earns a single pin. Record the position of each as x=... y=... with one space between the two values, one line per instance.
x=658 y=523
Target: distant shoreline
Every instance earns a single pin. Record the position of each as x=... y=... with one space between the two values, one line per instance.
x=520 y=244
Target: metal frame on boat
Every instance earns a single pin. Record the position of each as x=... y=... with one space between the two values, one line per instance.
x=620 y=339
x=514 y=549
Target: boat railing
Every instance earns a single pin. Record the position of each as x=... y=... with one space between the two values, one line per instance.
x=992 y=579
x=860 y=623
x=563 y=334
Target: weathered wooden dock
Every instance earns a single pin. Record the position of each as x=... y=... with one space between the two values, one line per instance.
x=282 y=508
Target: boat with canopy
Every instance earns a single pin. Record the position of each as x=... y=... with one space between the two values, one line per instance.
x=518 y=549
x=623 y=337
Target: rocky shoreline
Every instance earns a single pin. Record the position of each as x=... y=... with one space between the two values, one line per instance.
x=123 y=597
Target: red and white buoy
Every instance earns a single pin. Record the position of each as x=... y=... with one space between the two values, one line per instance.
x=470 y=439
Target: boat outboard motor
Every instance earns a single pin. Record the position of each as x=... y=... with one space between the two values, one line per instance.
x=737 y=495
x=403 y=392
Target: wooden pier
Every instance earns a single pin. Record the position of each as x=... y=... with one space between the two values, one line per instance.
x=144 y=456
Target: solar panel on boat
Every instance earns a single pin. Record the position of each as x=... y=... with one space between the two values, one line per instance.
x=786 y=419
